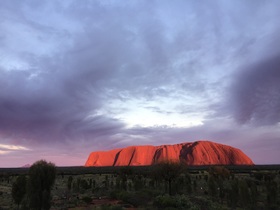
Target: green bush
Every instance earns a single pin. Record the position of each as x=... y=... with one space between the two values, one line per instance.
x=123 y=195
x=114 y=194
x=84 y=184
x=202 y=202
x=136 y=199
x=163 y=201
x=87 y=199
x=177 y=202
x=151 y=192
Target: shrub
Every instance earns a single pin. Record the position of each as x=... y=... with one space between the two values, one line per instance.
x=205 y=203
x=87 y=199
x=134 y=198
x=84 y=184
x=138 y=198
x=177 y=202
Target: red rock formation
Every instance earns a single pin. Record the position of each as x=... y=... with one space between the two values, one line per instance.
x=196 y=153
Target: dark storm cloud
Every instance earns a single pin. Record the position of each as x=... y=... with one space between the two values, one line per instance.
x=60 y=95
x=50 y=108
x=256 y=93
x=60 y=91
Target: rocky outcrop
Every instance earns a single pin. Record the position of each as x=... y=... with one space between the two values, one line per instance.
x=193 y=153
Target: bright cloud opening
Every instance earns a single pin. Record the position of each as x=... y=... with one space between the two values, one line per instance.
x=13 y=147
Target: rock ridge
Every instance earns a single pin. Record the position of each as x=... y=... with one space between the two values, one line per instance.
x=191 y=153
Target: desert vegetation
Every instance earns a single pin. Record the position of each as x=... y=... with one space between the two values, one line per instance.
x=164 y=186
x=34 y=191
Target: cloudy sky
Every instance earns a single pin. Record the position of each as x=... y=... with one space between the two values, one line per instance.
x=80 y=76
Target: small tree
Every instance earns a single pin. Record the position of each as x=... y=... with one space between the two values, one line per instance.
x=138 y=183
x=169 y=171
x=219 y=172
x=244 y=196
x=41 y=179
x=212 y=186
x=124 y=173
x=19 y=189
x=69 y=182
x=271 y=194
x=253 y=195
x=234 y=193
x=188 y=183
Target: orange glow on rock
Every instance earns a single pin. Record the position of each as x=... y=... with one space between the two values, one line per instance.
x=192 y=153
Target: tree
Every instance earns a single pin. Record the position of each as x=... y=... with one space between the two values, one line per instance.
x=219 y=172
x=272 y=194
x=216 y=181
x=19 y=189
x=138 y=183
x=41 y=179
x=69 y=182
x=212 y=186
x=188 y=183
x=253 y=195
x=234 y=193
x=169 y=171
x=244 y=196
x=124 y=173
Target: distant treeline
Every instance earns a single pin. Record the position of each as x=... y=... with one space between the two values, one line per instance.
x=74 y=170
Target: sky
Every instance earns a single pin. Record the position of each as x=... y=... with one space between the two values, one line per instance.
x=82 y=76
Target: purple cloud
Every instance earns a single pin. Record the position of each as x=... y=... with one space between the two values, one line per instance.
x=72 y=72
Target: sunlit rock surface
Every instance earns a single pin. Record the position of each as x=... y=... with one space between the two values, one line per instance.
x=192 y=153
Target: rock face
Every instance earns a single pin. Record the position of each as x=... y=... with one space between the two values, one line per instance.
x=193 y=153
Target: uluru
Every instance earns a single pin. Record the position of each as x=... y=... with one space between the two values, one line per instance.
x=191 y=153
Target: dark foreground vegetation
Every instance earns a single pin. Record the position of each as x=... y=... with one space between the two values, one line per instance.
x=164 y=186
